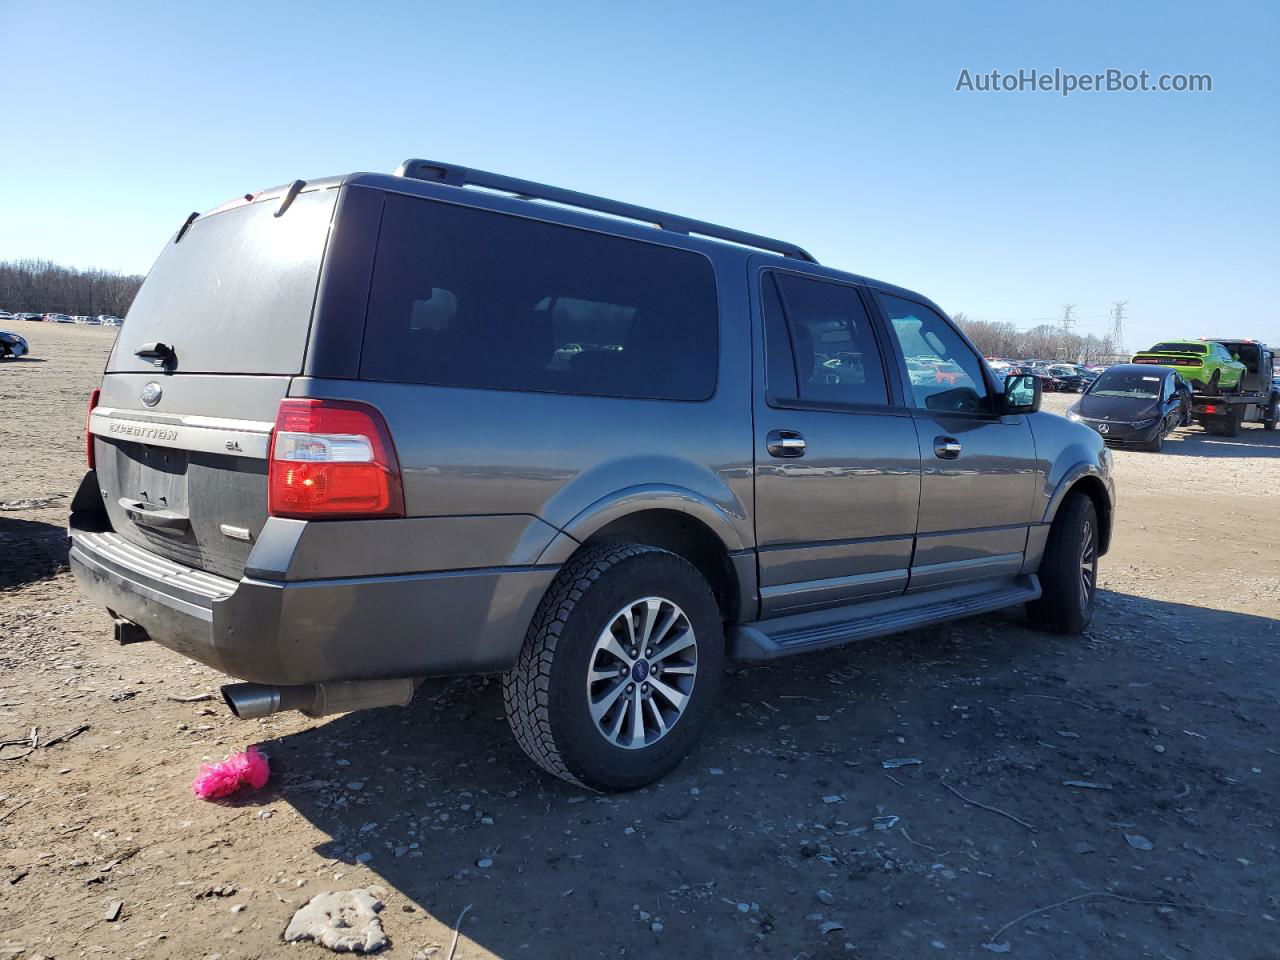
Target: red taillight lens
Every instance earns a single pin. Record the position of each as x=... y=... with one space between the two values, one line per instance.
x=89 y=458
x=332 y=459
x=1210 y=409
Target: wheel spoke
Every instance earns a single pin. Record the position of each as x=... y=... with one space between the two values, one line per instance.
x=650 y=615
x=678 y=699
x=686 y=668
x=657 y=716
x=669 y=616
x=598 y=676
x=615 y=728
x=637 y=718
x=682 y=640
x=609 y=644
x=600 y=707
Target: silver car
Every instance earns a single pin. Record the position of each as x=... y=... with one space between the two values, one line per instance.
x=362 y=431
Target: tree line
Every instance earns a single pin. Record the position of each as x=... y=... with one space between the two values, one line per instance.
x=39 y=286
x=1045 y=342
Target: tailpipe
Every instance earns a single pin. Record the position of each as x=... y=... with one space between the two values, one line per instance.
x=249 y=701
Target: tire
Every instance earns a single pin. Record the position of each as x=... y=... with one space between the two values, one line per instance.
x=1067 y=601
x=1157 y=442
x=549 y=695
x=1215 y=383
x=1273 y=414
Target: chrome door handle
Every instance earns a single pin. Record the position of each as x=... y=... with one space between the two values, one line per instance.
x=946 y=448
x=785 y=443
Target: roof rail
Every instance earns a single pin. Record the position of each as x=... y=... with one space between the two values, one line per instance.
x=456 y=176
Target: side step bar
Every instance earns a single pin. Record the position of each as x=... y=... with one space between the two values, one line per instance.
x=820 y=630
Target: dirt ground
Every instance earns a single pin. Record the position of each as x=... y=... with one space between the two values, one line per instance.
x=782 y=836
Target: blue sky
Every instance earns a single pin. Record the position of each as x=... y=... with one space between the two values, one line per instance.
x=836 y=126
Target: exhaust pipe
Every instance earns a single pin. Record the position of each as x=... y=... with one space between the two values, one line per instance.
x=249 y=701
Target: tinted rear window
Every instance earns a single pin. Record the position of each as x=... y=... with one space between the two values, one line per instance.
x=1178 y=348
x=469 y=298
x=235 y=295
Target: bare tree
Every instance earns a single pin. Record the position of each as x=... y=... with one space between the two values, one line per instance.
x=1044 y=342
x=31 y=286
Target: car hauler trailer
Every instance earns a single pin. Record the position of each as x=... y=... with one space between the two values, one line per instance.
x=1256 y=401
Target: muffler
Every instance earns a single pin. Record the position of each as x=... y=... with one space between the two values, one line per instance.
x=252 y=700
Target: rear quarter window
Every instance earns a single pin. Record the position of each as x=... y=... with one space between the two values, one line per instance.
x=471 y=298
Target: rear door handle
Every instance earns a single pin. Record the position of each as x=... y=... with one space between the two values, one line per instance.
x=785 y=443
x=946 y=448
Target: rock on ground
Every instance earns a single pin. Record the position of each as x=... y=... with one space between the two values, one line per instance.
x=345 y=921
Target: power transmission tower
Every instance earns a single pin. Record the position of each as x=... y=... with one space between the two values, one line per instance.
x=1068 y=318
x=1117 y=325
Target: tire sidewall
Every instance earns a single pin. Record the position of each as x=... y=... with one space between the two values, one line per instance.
x=582 y=747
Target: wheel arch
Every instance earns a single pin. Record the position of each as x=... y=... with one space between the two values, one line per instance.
x=1090 y=483
x=676 y=520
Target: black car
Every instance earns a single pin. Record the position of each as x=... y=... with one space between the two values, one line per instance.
x=12 y=345
x=1070 y=380
x=1132 y=404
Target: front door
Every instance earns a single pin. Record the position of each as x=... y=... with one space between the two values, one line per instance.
x=837 y=462
x=978 y=469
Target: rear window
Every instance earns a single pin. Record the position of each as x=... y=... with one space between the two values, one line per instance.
x=235 y=295
x=1178 y=348
x=470 y=298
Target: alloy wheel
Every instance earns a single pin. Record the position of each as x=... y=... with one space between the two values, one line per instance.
x=641 y=673
x=1088 y=566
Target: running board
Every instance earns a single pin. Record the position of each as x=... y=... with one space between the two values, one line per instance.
x=803 y=632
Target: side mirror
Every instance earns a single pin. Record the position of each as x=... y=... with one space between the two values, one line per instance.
x=1022 y=394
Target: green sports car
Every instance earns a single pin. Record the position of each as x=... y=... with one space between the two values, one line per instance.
x=1207 y=365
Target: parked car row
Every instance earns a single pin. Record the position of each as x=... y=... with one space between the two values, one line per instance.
x=1054 y=377
x=101 y=320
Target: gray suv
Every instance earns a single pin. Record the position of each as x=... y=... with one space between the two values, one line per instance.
x=362 y=431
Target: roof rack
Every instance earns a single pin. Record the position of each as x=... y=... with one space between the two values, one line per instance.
x=456 y=176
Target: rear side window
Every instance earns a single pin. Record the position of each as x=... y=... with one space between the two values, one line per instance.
x=470 y=298
x=819 y=345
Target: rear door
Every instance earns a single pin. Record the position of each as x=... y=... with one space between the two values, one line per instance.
x=978 y=469
x=203 y=359
x=837 y=462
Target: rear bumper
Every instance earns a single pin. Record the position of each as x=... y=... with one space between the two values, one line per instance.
x=316 y=631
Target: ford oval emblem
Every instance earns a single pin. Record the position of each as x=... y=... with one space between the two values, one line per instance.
x=151 y=394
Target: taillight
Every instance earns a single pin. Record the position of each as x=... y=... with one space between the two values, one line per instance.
x=89 y=458
x=332 y=459
x=1210 y=408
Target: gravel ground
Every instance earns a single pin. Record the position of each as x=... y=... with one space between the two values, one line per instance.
x=784 y=835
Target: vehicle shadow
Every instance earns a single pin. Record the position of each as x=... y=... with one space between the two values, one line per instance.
x=24 y=359
x=30 y=550
x=1253 y=441
x=436 y=801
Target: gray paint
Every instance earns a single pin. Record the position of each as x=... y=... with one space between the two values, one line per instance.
x=868 y=527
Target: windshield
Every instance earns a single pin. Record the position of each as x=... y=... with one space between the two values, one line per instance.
x=1179 y=348
x=1127 y=383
